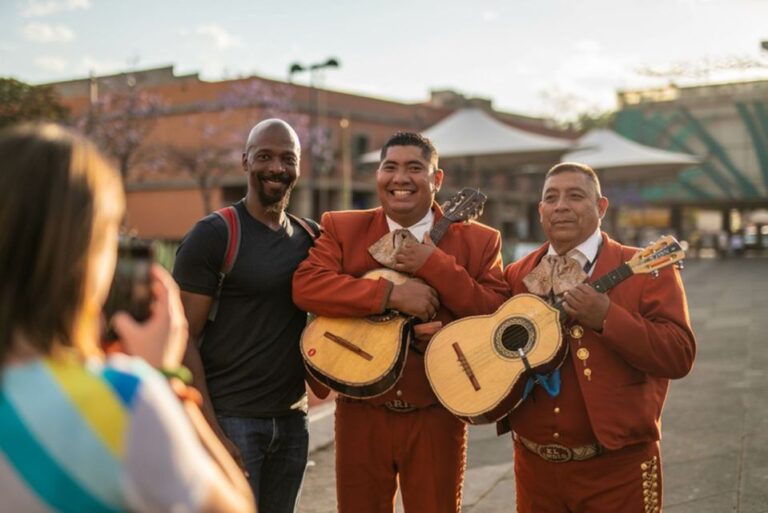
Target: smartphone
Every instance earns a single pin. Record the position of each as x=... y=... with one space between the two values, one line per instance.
x=131 y=289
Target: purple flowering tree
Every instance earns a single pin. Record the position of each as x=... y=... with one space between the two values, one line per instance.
x=220 y=138
x=119 y=119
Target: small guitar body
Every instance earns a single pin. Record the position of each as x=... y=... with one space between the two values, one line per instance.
x=358 y=357
x=478 y=366
x=474 y=364
x=364 y=357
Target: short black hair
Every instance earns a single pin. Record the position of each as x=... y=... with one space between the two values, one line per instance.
x=577 y=167
x=428 y=150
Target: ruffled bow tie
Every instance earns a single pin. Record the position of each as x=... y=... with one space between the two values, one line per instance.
x=385 y=250
x=556 y=274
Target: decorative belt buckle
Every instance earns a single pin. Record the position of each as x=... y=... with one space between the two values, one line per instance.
x=399 y=406
x=555 y=453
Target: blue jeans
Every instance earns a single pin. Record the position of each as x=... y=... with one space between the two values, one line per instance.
x=275 y=454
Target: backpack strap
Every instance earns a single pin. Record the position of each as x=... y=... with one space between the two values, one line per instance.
x=310 y=226
x=232 y=221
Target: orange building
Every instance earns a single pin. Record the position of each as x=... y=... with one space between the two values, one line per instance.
x=184 y=138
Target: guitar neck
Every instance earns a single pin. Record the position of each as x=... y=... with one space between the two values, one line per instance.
x=439 y=229
x=613 y=278
x=604 y=284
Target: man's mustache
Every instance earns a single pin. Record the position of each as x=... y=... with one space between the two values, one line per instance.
x=279 y=177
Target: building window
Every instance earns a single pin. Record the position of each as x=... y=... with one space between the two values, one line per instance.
x=360 y=145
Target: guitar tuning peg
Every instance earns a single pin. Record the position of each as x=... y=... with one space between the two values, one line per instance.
x=680 y=265
x=655 y=273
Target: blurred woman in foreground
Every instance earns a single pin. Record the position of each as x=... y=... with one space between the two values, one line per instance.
x=78 y=432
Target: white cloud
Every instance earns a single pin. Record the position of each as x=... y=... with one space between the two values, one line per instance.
x=490 y=16
x=214 y=34
x=523 y=69
x=592 y=68
x=588 y=46
x=33 y=8
x=586 y=81
x=47 y=33
x=692 y=4
x=53 y=64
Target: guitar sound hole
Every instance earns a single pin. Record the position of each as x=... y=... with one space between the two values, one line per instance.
x=513 y=334
x=514 y=337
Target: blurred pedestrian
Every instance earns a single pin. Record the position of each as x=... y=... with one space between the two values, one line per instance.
x=78 y=432
x=737 y=244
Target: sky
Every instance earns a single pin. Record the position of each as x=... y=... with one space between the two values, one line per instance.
x=552 y=58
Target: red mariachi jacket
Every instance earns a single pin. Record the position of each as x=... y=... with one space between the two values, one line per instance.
x=646 y=341
x=465 y=270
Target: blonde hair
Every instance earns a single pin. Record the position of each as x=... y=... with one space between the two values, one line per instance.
x=58 y=198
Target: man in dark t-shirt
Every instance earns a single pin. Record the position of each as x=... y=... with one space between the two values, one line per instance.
x=247 y=362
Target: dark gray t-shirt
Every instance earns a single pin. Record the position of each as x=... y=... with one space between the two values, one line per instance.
x=251 y=351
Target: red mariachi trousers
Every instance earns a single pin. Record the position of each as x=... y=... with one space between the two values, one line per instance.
x=425 y=450
x=627 y=480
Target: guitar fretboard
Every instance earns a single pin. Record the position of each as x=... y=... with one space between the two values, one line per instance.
x=613 y=278
x=437 y=231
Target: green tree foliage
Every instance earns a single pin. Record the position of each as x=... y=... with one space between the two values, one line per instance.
x=23 y=102
x=586 y=121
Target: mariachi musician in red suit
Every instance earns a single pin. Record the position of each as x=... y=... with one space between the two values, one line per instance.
x=587 y=438
x=403 y=435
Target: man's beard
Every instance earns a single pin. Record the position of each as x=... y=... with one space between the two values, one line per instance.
x=274 y=203
x=278 y=204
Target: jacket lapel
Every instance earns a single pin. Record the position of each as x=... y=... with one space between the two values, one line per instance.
x=378 y=227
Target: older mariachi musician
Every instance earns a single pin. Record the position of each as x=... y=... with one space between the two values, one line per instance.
x=404 y=432
x=594 y=446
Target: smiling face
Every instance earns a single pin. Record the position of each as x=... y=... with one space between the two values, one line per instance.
x=570 y=209
x=407 y=182
x=272 y=163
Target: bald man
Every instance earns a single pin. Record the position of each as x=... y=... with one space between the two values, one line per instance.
x=248 y=367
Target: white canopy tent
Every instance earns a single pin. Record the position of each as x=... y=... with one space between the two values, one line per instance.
x=619 y=159
x=472 y=132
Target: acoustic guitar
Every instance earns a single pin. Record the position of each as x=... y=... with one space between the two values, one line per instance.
x=478 y=365
x=364 y=357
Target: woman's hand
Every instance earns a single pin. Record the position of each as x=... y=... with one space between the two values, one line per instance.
x=162 y=338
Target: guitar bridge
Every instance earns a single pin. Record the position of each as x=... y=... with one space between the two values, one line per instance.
x=465 y=366
x=346 y=344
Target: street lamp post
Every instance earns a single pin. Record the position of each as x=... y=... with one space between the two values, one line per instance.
x=346 y=165
x=311 y=181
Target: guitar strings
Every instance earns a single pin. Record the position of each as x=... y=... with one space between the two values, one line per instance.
x=520 y=339
x=517 y=339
